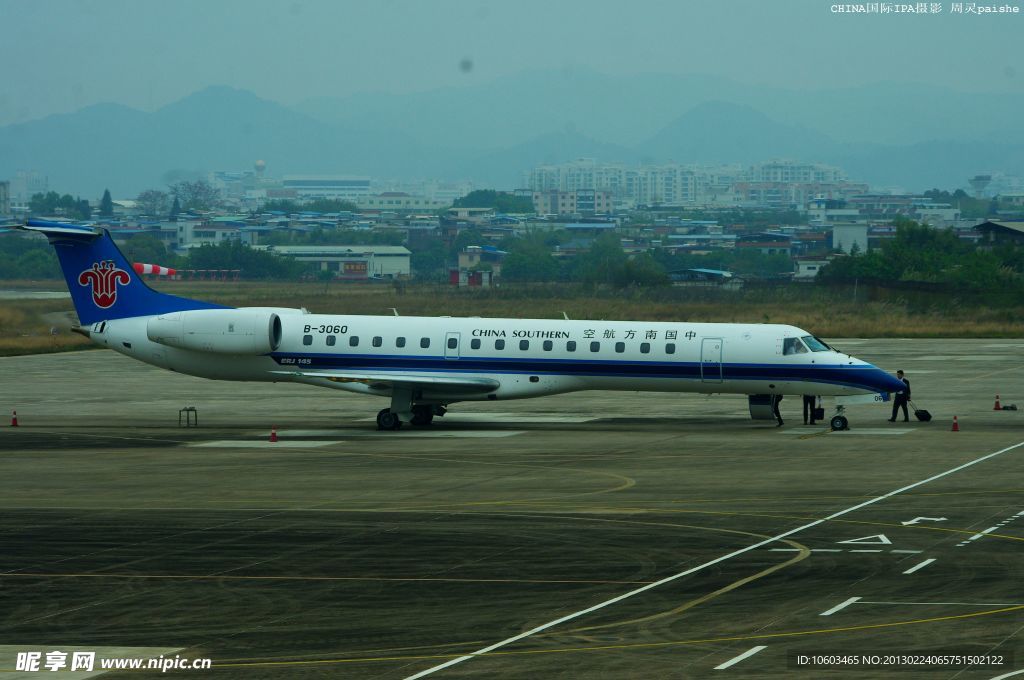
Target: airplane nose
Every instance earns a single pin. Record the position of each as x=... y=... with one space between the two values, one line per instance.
x=885 y=382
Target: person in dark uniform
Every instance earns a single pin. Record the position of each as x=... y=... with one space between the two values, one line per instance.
x=776 y=398
x=810 y=405
x=902 y=397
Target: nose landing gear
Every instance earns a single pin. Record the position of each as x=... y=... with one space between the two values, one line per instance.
x=839 y=422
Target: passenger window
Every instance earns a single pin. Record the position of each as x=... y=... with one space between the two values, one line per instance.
x=524 y=344
x=353 y=341
x=424 y=342
x=548 y=345
x=499 y=344
x=670 y=348
x=377 y=341
x=620 y=347
x=474 y=343
x=307 y=339
x=399 y=342
x=331 y=340
x=453 y=343
x=570 y=346
x=645 y=348
x=595 y=347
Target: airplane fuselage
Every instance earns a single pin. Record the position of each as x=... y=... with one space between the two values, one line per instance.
x=524 y=357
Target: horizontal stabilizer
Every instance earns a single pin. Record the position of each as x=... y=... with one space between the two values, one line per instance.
x=61 y=229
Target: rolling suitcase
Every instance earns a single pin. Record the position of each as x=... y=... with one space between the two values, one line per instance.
x=921 y=414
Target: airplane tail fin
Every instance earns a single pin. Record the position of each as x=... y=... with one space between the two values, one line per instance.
x=103 y=284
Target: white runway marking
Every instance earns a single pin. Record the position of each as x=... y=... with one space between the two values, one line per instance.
x=873 y=431
x=842 y=605
x=950 y=604
x=263 y=444
x=736 y=659
x=404 y=432
x=884 y=431
x=875 y=539
x=728 y=556
x=1008 y=675
x=919 y=565
x=839 y=550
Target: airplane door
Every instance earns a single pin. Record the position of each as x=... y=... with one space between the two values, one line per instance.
x=451 y=345
x=711 y=360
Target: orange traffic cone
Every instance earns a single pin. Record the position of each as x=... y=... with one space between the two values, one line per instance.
x=273 y=434
x=997 y=407
x=14 y=418
x=956 y=425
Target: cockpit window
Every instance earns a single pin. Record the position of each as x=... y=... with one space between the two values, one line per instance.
x=793 y=346
x=815 y=344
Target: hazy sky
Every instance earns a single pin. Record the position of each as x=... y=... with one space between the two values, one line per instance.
x=61 y=55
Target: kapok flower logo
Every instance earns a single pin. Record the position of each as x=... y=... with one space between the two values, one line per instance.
x=104 y=278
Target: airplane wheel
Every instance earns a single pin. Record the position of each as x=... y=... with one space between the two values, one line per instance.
x=386 y=420
x=839 y=423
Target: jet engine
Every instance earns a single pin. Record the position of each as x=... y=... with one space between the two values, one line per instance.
x=224 y=331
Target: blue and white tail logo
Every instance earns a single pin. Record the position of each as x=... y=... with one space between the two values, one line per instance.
x=104 y=277
x=102 y=283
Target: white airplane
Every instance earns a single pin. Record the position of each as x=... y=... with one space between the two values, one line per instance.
x=424 y=364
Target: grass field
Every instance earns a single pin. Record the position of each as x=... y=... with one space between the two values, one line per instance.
x=829 y=313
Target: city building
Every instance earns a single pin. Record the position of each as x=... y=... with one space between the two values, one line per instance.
x=473 y=216
x=795 y=172
x=850 y=238
x=195 y=233
x=350 y=262
x=1000 y=233
x=26 y=184
x=400 y=201
x=766 y=244
x=775 y=183
x=807 y=268
x=341 y=187
x=5 y=198
x=478 y=258
x=579 y=202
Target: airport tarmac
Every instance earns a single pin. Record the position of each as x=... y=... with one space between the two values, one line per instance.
x=591 y=535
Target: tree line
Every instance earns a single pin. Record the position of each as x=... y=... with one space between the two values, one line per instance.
x=922 y=254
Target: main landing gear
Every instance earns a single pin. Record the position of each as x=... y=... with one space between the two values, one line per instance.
x=421 y=415
x=386 y=420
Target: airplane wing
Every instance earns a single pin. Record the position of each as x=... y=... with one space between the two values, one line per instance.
x=388 y=380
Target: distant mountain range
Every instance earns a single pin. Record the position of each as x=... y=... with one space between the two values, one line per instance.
x=905 y=135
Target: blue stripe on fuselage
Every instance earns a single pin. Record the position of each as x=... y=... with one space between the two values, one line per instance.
x=858 y=376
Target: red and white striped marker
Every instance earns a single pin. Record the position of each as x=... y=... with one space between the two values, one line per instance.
x=14 y=418
x=141 y=268
x=273 y=433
